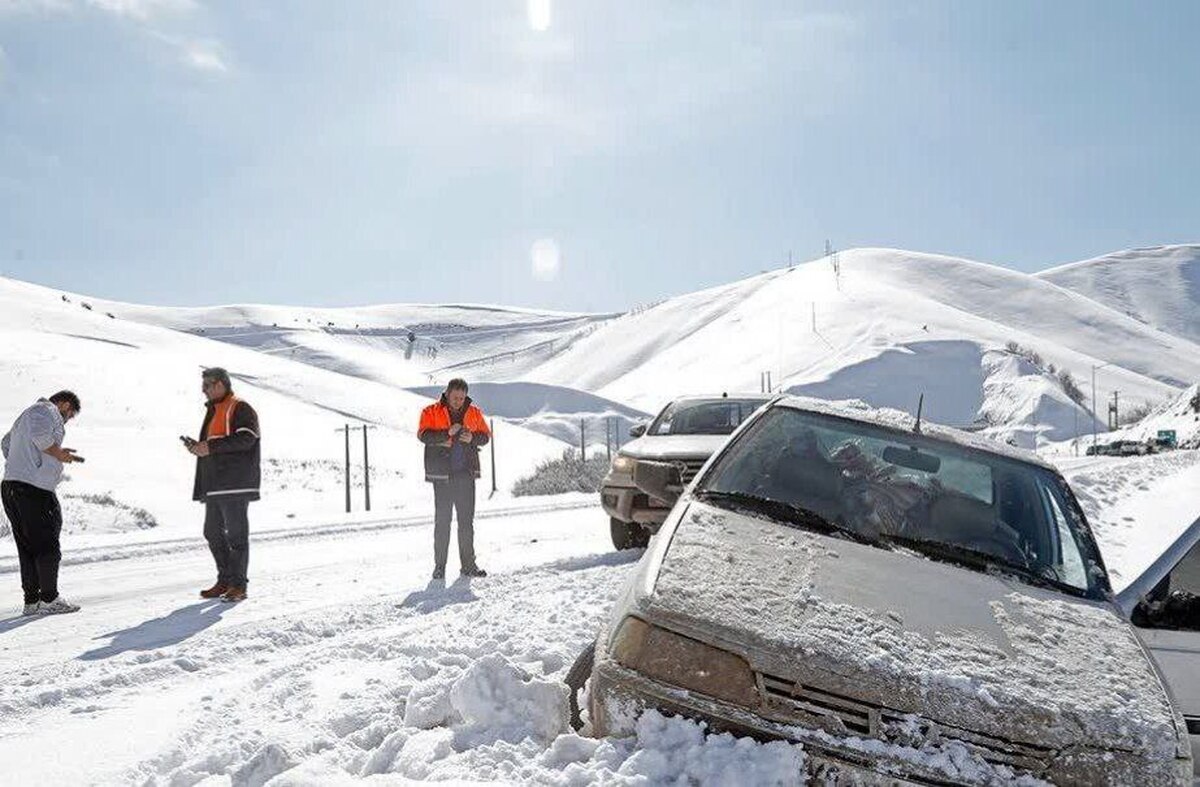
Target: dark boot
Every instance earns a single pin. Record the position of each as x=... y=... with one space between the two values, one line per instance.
x=216 y=591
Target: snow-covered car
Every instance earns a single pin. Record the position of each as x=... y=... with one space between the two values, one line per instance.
x=918 y=602
x=687 y=432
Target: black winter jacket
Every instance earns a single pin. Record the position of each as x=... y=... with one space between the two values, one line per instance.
x=232 y=470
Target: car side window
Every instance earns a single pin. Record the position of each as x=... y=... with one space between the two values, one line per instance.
x=1175 y=603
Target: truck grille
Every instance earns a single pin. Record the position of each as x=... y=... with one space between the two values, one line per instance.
x=689 y=467
x=847 y=715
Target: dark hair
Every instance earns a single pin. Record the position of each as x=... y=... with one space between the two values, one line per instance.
x=457 y=384
x=217 y=375
x=69 y=397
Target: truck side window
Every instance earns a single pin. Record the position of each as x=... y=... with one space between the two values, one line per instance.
x=1175 y=603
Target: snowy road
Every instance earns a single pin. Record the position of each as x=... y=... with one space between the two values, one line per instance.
x=346 y=663
x=147 y=671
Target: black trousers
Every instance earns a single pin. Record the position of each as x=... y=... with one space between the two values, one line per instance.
x=36 y=526
x=227 y=530
x=455 y=495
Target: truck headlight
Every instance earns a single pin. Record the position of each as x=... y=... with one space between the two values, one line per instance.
x=685 y=662
x=623 y=464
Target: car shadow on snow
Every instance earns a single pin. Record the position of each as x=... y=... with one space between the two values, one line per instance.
x=624 y=557
x=437 y=595
x=159 y=632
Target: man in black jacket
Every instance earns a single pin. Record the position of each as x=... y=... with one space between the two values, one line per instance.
x=228 y=471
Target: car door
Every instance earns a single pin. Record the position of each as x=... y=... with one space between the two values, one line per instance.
x=1173 y=640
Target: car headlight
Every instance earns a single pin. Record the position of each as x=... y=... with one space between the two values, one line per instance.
x=624 y=464
x=685 y=662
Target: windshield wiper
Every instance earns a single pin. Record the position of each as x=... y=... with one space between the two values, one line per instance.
x=788 y=512
x=977 y=558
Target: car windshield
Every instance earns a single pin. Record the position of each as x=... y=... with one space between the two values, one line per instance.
x=703 y=416
x=907 y=491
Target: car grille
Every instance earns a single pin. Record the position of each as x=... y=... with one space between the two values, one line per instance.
x=839 y=713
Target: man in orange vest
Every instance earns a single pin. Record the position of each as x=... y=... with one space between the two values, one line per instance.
x=453 y=430
x=228 y=472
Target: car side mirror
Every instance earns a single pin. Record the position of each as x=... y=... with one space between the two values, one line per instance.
x=637 y=430
x=661 y=480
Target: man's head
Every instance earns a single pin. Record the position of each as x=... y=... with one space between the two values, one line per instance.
x=456 y=393
x=67 y=404
x=215 y=384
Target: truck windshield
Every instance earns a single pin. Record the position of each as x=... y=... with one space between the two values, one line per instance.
x=908 y=491
x=703 y=416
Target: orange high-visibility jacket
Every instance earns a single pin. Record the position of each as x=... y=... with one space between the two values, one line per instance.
x=434 y=432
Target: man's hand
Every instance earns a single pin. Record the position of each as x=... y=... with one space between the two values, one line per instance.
x=199 y=449
x=64 y=455
x=455 y=429
x=466 y=436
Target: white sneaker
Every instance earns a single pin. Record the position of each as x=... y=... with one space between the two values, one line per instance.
x=59 y=606
x=32 y=609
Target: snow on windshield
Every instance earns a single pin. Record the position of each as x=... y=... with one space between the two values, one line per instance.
x=880 y=483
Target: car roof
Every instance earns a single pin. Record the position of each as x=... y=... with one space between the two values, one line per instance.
x=757 y=397
x=857 y=410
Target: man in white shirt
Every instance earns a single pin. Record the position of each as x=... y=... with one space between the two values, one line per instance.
x=33 y=464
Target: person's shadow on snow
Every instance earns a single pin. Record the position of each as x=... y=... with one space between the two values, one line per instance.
x=159 y=632
x=9 y=624
x=436 y=596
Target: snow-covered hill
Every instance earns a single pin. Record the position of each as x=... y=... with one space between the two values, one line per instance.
x=140 y=388
x=891 y=326
x=398 y=344
x=1159 y=286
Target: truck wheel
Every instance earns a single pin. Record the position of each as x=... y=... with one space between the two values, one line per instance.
x=577 y=678
x=623 y=534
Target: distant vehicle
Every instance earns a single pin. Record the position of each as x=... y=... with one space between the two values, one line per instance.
x=838 y=578
x=687 y=432
x=1121 y=448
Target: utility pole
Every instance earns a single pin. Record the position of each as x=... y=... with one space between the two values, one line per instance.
x=1095 y=367
x=366 y=468
x=346 y=430
x=582 y=443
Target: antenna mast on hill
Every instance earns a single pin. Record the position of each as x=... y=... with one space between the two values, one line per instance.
x=836 y=262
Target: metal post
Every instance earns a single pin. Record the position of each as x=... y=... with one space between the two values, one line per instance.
x=347 y=430
x=1093 y=408
x=608 y=438
x=366 y=470
x=582 y=444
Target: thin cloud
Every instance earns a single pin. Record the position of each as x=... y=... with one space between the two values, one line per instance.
x=144 y=10
x=204 y=56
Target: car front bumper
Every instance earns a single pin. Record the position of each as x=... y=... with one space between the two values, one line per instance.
x=619 y=696
x=627 y=503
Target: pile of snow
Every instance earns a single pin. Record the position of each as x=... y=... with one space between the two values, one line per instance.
x=1136 y=506
x=1159 y=285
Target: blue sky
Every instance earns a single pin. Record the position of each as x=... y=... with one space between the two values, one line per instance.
x=194 y=151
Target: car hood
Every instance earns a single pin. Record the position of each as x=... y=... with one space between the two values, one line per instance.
x=894 y=630
x=666 y=447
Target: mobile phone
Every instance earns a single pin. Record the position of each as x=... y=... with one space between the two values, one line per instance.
x=186 y=440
